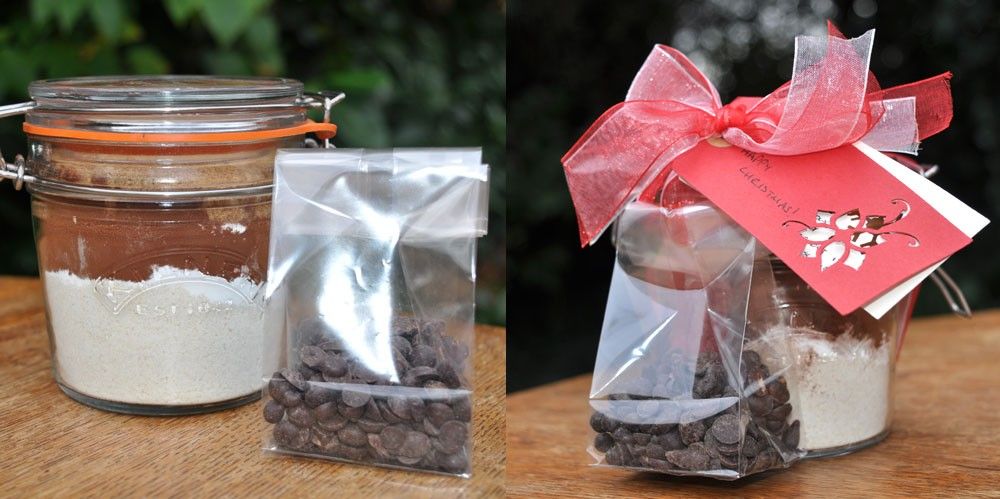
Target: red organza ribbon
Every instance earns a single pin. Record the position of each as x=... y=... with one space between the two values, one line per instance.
x=831 y=100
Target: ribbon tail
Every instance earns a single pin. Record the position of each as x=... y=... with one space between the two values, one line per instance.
x=933 y=102
x=621 y=153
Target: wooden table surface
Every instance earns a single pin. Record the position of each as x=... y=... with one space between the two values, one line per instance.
x=53 y=446
x=945 y=440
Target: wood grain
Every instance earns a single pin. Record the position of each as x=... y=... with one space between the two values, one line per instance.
x=53 y=446
x=945 y=440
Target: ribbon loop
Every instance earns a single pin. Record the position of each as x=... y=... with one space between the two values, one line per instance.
x=831 y=100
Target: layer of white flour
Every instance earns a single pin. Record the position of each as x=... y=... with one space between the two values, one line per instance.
x=179 y=338
x=840 y=389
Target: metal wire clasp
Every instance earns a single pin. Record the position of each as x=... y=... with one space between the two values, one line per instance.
x=15 y=172
x=325 y=99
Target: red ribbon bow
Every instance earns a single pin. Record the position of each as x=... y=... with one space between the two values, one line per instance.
x=831 y=100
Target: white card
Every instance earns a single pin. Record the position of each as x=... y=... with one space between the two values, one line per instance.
x=966 y=219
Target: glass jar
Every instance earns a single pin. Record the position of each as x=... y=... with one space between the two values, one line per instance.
x=840 y=368
x=150 y=198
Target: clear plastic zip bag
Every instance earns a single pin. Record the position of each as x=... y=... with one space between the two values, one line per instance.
x=677 y=386
x=371 y=285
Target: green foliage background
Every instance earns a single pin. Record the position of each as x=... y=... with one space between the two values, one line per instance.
x=419 y=73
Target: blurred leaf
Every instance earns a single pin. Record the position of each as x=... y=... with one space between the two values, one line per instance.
x=42 y=10
x=262 y=34
x=226 y=62
x=132 y=32
x=359 y=80
x=362 y=124
x=227 y=19
x=181 y=10
x=145 y=59
x=60 y=59
x=108 y=16
x=67 y=12
x=18 y=71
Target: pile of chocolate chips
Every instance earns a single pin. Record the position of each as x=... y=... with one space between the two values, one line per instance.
x=425 y=426
x=747 y=437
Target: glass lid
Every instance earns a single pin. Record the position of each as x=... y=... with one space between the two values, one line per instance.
x=163 y=91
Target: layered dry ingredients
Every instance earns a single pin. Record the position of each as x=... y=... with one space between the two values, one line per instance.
x=839 y=385
x=180 y=337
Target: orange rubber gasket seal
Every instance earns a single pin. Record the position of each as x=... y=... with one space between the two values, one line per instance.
x=322 y=130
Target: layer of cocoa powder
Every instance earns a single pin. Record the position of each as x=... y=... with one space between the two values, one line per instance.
x=125 y=240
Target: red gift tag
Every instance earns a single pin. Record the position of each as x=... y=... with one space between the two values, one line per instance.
x=839 y=220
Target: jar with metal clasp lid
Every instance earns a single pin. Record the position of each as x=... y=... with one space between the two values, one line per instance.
x=150 y=197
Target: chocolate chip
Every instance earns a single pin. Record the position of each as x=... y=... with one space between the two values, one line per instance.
x=401 y=345
x=296 y=379
x=691 y=432
x=277 y=385
x=449 y=376
x=429 y=428
x=323 y=439
x=287 y=434
x=726 y=429
x=453 y=436
x=317 y=395
x=289 y=397
x=670 y=441
x=370 y=426
x=354 y=398
x=418 y=409
x=393 y=437
x=453 y=463
x=791 y=437
x=387 y=414
x=415 y=445
x=694 y=457
x=312 y=356
x=273 y=411
x=349 y=412
x=400 y=407
x=779 y=390
x=641 y=438
x=603 y=442
x=417 y=375
x=781 y=412
x=774 y=425
x=655 y=451
x=463 y=409
x=423 y=355
x=622 y=435
x=657 y=464
x=405 y=326
x=660 y=429
x=615 y=456
x=353 y=436
x=301 y=416
x=760 y=406
x=329 y=418
x=375 y=442
x=751 y=446
x=334 y=366
x=439 y=413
